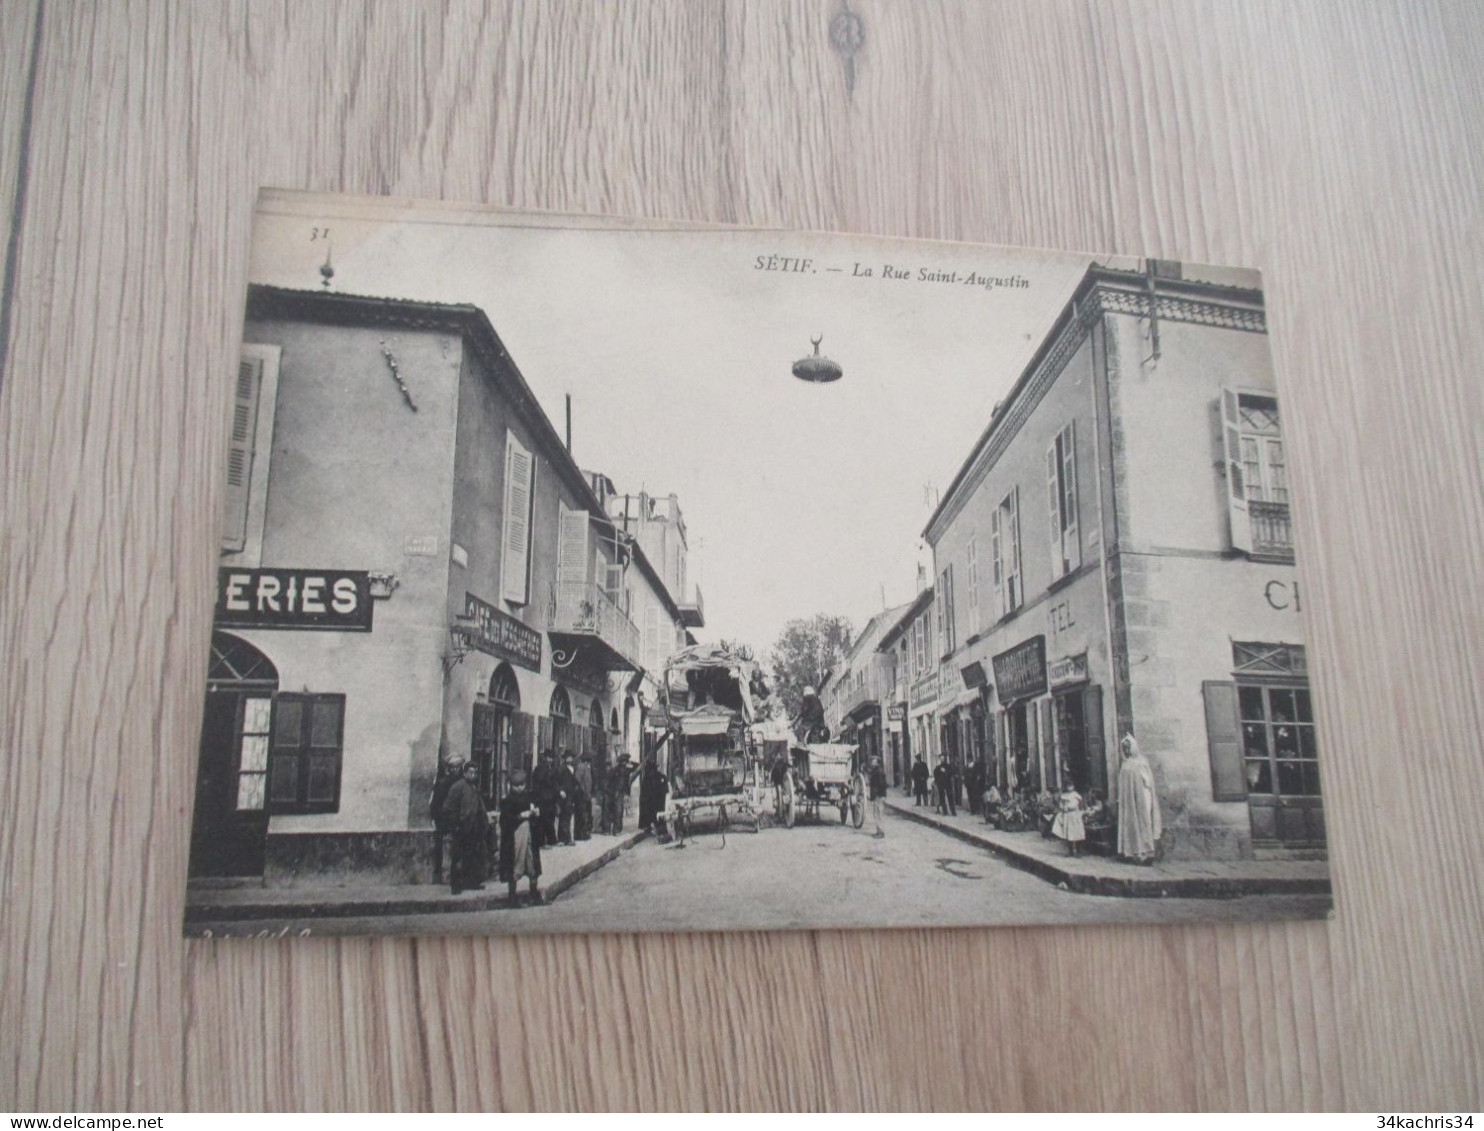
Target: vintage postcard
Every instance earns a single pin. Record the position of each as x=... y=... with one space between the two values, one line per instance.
x=590 y=575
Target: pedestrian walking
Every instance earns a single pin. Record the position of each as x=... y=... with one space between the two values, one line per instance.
x=567 y=790
x=451 y=769
x=1139 y=825
x=469 y=826
x=1068 y=824
x=546 y=791
x=876 y=787
x=520 y=854
x=920 y=777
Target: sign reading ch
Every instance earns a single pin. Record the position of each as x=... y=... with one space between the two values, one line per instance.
x=337 y=600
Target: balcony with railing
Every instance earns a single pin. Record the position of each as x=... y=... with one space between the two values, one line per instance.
x=1272 y=530
x=581 y=617
x=692 y=608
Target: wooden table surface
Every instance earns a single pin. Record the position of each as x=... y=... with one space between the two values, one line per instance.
x=1336 y=145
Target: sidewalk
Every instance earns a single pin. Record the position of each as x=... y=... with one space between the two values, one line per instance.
x=561 y=867
x=1104 y=875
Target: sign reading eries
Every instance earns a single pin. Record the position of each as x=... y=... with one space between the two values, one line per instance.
x=1021 y=671
x=336 y=600
x=500 y=634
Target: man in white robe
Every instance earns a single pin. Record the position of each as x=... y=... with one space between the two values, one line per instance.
x=1138 y=806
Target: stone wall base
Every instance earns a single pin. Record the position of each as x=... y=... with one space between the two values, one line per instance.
x=348 y=859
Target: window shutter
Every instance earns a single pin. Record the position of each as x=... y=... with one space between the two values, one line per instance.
x=545 y=729
x=997 y=562
x=572 y=556
x=1052 y=762
x=1053 y=493
x=1015 y=586
x=1033 y=741
x=1224 y=741
x=239 y=452
x=1236 y=489
x=515 y=560
x=1071 y=542
x=522 y=740
x=1097 y=745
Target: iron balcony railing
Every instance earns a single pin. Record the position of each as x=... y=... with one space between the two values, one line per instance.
x=582 y=608
x=1272 y=529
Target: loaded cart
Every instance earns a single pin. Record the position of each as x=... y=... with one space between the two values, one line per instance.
x=825 y=774
x=714 y=771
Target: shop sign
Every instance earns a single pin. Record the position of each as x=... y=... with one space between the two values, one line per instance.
x=333 y=600
x=925 y=690
x=1020 y=672
x=974 y=677
x=1068 y=670
x=499 y=634
x=896 y=712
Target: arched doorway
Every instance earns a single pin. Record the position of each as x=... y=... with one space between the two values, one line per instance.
x=489 y=745
x=230 y=831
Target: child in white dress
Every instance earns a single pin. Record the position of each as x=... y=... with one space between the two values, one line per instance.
x=1068 y=822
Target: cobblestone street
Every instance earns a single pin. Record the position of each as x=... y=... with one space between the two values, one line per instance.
x=826 y=874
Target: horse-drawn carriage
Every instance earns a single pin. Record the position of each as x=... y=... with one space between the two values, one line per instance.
x=823 y=774
x=714 y=770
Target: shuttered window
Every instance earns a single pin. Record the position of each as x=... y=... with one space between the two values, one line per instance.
x=1061 y=490
x=304 y=768
x=240 y=442
x=1224 y=741
x=974 y=584
x=515 y=558
x=572 y=555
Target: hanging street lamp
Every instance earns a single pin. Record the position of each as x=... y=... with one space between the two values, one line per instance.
x=816 y=369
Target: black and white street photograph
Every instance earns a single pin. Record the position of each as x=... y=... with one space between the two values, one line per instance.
x=585 y=576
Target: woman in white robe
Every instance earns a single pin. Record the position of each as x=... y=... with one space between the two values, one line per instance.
x=1138 y=806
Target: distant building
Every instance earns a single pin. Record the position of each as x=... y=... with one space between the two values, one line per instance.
x=860 y=689
x=412 y=566
x=913 y=706
x=1115 y=555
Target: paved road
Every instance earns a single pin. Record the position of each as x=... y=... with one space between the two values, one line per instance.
x=824 y=875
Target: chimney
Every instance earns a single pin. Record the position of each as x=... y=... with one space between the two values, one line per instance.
x=921 y=577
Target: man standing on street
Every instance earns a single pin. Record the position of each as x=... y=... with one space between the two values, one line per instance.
x=468 y=827
x=877 y=794
x=547 y=793
x=919 y=781
x=943 y=785
x=448 y=773
x=584 y=803
x=620 y=778
x=568 y=791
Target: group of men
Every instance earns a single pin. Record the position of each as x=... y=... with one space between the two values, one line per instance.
x=552 y=806
x=948 y=784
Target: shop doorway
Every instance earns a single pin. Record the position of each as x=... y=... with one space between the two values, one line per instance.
x=493 y=725
x=229 y=834
x=1080 y=748
x=1282 y=762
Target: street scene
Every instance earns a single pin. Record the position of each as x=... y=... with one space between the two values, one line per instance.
x=1001 y=620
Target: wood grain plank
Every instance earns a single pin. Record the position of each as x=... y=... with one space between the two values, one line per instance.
x=1335 y=145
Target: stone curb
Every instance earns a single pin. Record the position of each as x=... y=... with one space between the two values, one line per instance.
x=352 y=908
x=1131 y=887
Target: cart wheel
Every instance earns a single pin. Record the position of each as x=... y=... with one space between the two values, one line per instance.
x=858 y=801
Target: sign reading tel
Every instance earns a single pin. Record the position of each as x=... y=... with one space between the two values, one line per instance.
x=334 y=600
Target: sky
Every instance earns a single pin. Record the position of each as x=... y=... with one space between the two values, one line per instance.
x=676 y=348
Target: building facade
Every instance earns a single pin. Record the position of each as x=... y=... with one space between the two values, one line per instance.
x=1115 y=557
x=412 y=566
x=860 y=691
x=913 y=703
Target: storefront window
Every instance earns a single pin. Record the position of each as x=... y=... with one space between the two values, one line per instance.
x=1278 y=740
